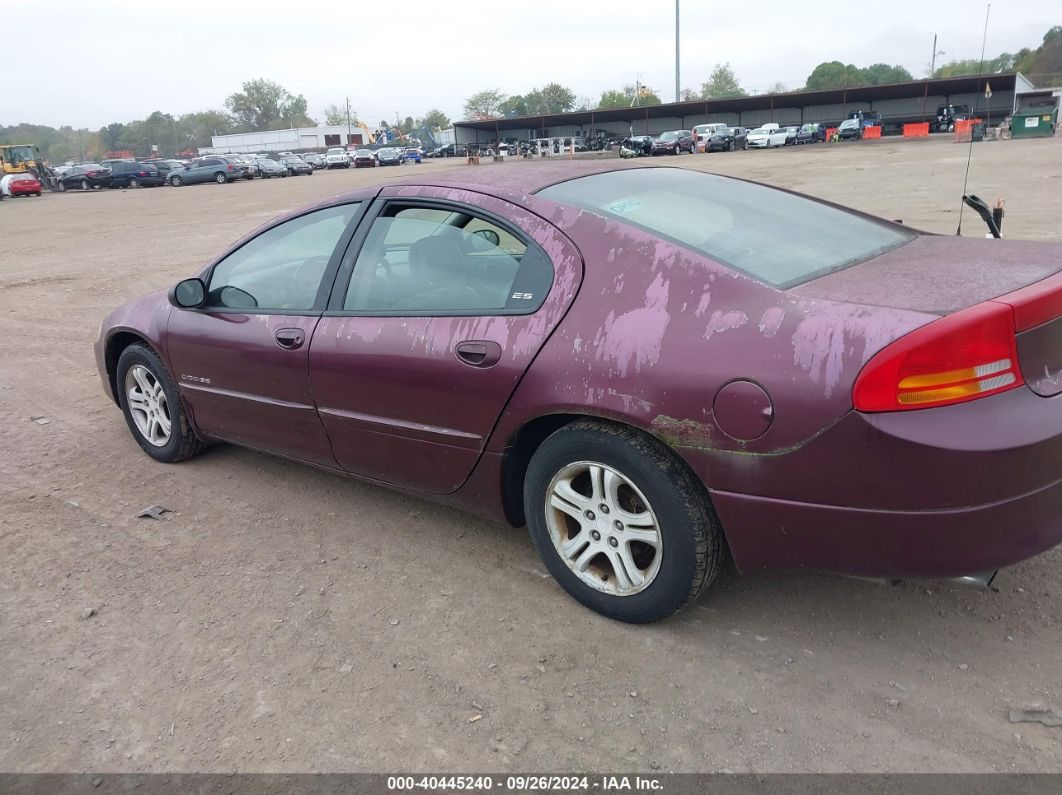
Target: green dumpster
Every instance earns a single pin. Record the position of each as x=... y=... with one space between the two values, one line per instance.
x=1033 y=125
x=977 y=131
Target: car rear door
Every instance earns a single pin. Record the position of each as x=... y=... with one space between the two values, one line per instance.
x=240 y=360
x=429 y=329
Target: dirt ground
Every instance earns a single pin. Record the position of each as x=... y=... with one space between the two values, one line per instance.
x=283 y=619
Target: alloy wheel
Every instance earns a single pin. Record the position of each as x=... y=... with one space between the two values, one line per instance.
x=148 y=405
x=603 y=528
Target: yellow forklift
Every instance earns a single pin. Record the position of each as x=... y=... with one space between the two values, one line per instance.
x=20 y=158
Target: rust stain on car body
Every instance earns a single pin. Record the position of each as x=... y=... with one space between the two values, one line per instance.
x=683 y=433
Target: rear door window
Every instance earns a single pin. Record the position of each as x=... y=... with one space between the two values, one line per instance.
x=424 y=260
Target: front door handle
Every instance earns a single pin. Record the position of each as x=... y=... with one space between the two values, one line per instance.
x=479 y=353
x=290 y=338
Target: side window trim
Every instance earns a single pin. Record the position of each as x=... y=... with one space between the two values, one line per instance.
x=334 y=306
x=323 y=289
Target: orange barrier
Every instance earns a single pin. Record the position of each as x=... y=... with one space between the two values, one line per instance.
x=916 y=130
x=829 y=133
x=871 y=132
x=963 y=125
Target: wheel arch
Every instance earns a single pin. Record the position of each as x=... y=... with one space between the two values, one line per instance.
x=529 y=436
x=112 y=352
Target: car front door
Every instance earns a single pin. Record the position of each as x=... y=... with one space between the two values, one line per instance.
x=437 y=312
x=240 y=360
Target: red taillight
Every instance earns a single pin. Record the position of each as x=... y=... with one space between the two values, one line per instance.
x=141 y=174
x=228 y=167
x=968 y=355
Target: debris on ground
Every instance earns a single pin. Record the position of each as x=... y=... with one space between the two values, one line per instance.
x=474 y=718
x=40 y=420
x=1047 y=717
x=153 y=512
x=89 y=612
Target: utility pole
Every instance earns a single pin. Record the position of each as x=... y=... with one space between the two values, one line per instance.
x=933 y=60
x=677 y=80
x=348 y=120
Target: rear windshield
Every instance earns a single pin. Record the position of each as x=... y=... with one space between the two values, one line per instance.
x=769 y=234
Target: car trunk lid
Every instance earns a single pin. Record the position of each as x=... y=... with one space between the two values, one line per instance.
x=941 y=275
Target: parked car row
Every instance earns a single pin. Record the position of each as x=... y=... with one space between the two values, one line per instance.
x=338 y=157
x=111 y=174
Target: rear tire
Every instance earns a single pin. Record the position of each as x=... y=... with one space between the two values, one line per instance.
x=152 y=406
x=220 y=178
x=134 y=182
x=644 y=490
x=84 y=184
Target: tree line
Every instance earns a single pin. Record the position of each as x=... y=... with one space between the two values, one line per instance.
x=259 y=105
x=265 y=105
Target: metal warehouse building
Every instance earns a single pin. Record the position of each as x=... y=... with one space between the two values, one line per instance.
x=292 y=140
x=896 y=103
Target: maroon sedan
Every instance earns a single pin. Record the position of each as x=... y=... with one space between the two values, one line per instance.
x=652 y=368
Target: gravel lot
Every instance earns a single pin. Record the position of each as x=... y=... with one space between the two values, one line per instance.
x=284 y=619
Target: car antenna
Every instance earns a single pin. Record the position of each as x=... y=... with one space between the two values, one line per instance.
x=969 y=153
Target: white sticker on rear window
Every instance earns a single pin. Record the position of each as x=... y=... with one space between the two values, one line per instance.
x=624 y=206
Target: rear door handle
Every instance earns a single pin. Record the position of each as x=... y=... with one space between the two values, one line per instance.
x=289 y=338
x=479 y=353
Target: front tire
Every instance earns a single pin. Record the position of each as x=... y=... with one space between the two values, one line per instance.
x=619 y=521
x=152 y=406
x=176 y=181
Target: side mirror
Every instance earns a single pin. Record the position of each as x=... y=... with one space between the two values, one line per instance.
x=189 y=294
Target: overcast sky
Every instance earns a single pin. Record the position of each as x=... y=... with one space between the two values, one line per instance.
x=87 y=64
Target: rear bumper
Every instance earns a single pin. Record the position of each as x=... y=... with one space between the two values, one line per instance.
x=780 y=534
x=939 y=492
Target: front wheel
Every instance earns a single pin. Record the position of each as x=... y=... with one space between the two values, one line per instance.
x=176 y=181
x=152 y=406
x=619 y=521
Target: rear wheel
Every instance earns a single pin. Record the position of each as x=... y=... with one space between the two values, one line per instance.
x=220 y=178
x=152 y=406
x=620 y=522
x=134 y=182
x=84 y=184
x=61 y=186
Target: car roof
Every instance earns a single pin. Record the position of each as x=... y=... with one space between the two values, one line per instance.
x=513 y=182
